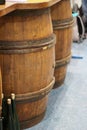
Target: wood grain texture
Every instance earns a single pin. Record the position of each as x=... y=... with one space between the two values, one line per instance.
x=27 y=59
x=62 y=25
x=29 y=4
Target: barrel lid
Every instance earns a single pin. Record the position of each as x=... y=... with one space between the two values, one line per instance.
x=28 y=4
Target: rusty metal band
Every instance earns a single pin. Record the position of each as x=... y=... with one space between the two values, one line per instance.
x=8 y=47
x=63 y=62
x=34 y=96
x=61 y=24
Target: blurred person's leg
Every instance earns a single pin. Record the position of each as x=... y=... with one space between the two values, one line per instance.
x=84 y=8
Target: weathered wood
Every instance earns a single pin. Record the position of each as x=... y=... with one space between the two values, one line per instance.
x=27 y=60
x=62 y=26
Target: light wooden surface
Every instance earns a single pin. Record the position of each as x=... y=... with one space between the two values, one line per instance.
x=29 y=4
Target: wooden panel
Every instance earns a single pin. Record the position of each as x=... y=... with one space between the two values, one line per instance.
x=29 y=4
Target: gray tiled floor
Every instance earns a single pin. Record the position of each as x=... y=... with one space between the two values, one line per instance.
x=67 y=105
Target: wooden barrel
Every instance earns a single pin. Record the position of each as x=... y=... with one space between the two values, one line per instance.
x=27 y=59
x=62 y=26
